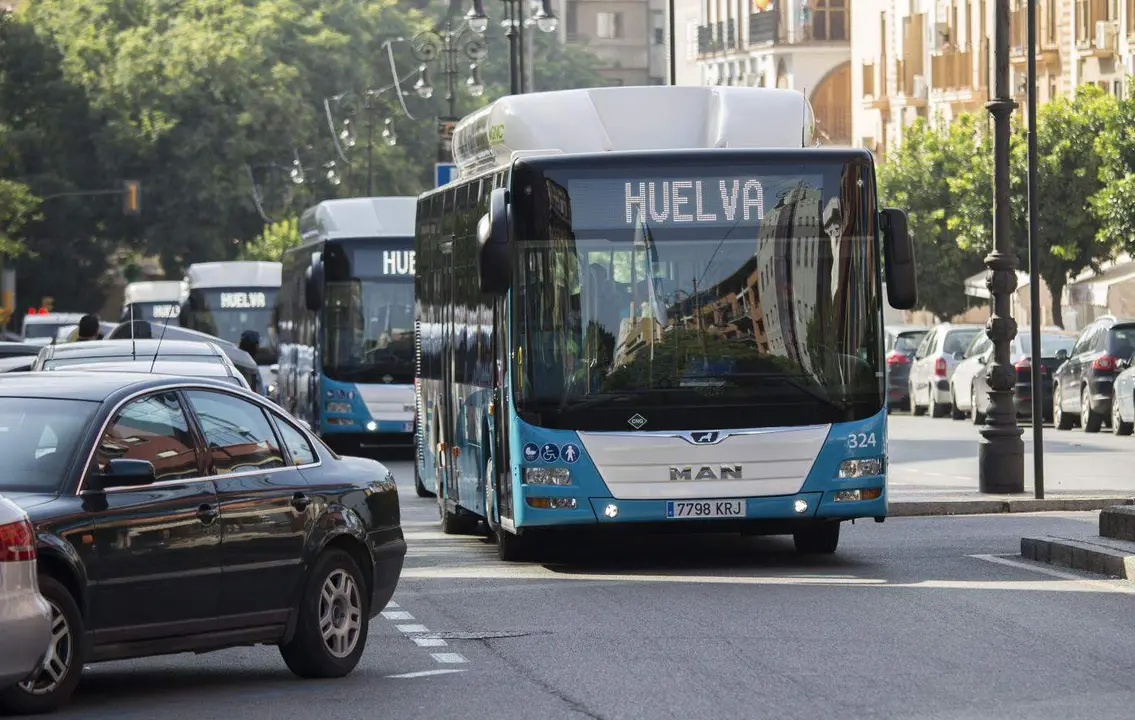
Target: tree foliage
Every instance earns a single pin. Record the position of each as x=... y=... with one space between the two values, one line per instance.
x=272 y=241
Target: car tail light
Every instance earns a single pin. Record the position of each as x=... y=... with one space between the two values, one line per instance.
x=1104 y=362
x=895 y=357
x=17 y=542
x=940 y=367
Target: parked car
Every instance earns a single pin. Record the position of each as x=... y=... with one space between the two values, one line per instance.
x=901 y=342
x=1123 y=403
x=141 y=488
x=16 y=363
x=1054 y=349
x=144 y=329
x=934 y=362
x=25 y=616
x=973 y=362
x=1084 y=382
x=17 y=349
x=41 y=329
x=58 y=357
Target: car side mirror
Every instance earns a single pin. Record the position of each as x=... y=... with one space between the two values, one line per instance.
x=1062 y=354
x=123 y=473
x=898 y=254
x=313 y=286
x=493 y=264
x=274 y=368
x=959 y=355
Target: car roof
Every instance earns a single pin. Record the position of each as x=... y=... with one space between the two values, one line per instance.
x=131 y=348
x=161 y=367
x=900 y=329
x=18 y=348
x=93 y=386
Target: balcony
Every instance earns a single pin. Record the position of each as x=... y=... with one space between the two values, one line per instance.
x=951 y=71
x=910 y=82
x=771 y=28
x=718 y=37
x=875 y=85
x=706 y=44
x=1047 y=48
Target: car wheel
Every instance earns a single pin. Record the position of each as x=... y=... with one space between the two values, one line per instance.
x=937 y=409
x=1117 y=425
x=1059 y=419
x=915 y=408
x=955 y=413
x=331 y=631
x=513 y=548
x=819 y=540
x=1089 y=419
x=53 y=683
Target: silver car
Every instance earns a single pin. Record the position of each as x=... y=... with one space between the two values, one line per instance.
x=933 y=366
x=25 y=616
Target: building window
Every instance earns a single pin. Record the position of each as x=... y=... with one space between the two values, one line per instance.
x=571 y=20
x=609 y=25
x=658 y=18
x=829 y=20
x=691 y=41
x=1117 y=88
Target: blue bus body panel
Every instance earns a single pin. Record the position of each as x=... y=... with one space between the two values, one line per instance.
x=844 y=441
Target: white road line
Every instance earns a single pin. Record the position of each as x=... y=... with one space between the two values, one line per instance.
x=397 y=615
x=428 y=673
x=1115 y=586
x=429 y=642
x=412 y=628
x=449 y=657
x=391 y=605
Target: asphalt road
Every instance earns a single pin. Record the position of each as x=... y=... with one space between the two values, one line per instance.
x=940 y=455
x=914 y=618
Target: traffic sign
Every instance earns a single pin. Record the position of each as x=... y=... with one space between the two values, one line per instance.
x=444 y=173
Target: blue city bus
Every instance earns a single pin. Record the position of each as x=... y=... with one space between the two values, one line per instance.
x=346 y=323
x=658 y=325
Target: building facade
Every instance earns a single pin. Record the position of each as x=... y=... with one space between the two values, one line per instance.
x=628 y=36
x=804 y=45
x=934 y=59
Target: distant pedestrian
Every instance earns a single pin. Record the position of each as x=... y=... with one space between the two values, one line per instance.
x=250 y=342
x=90 y=328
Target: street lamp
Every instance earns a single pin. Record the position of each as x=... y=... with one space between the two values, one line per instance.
x=1001 y=452
x=513 y=23
x=447 y=46
x=298 y=173
x=352 y=104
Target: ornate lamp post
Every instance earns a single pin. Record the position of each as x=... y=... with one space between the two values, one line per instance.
x=352 y=105
x=450 y=48
x=1001 y=452
x=513 y=23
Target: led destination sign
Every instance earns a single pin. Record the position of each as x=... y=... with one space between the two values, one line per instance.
x=679 y=202
x=243 y=300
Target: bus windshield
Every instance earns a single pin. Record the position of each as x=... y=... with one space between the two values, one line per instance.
x=368 y=328
x=682 y=297
x=227 y=312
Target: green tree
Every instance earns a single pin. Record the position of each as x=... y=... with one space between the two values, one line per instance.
x=273 y=240
x=914 y=178
x=1113 y=205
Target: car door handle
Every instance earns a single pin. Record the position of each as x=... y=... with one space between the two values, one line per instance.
x=300 y=501
x=207 y=514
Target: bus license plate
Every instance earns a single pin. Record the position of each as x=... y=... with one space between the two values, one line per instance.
x=705 y=508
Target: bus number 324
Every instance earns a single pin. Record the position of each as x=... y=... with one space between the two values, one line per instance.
x=860 y=440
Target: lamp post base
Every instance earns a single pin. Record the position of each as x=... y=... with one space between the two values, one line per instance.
x=1001 y=461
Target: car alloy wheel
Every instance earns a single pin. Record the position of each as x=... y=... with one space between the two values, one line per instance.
x=340 y=613
x=60 y=653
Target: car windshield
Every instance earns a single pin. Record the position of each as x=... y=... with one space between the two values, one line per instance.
x=958 y=340
x=1121 y=341
x=909 y=341
x=38 y=439
x=758 y=307
x=42 y=330
x=1050 y=343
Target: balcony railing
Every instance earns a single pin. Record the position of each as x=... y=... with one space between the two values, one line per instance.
x=875 y=84
x=951 y=71
x=705 y=40
x=1018 y=34
x=731 y=34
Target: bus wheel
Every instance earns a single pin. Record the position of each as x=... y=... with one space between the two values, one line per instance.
x=456 y=523
x=818 y=540
x=418 y=486
x=512 y=548
x=490 y=526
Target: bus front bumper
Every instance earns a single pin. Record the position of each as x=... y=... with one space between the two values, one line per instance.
x=548 y=507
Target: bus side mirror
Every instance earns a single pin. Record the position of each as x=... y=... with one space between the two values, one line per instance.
x=898 y=254
x=313 y=286
x=492 y=245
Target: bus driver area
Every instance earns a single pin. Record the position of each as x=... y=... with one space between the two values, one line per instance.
x=676 y=328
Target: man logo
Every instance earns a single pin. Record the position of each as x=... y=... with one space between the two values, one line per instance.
x=704 y=438
x=705 y=472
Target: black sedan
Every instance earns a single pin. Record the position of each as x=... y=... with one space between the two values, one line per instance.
x=188 y=515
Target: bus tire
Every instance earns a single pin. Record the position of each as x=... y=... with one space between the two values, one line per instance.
x=418 y=486
x=456 y=523
x=512 y=548
x=817 y=540
x=490 y=525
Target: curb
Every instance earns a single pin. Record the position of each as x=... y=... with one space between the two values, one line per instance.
x=1116 y=558
x=922 y=508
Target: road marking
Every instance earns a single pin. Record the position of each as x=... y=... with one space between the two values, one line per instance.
x=1114 y=586
x=429 y=673
x=391 y=605
x=449 y=657
x=429 y=642
x=412 y=628
x=397 y=615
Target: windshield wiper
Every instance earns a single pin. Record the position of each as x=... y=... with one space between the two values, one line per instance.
x=841 y=404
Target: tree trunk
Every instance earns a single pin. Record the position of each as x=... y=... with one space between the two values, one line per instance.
x=1057 y=290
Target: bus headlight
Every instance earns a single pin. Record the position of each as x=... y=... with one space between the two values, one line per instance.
x=861 y=467
x=338 y=407
x=547 y=476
